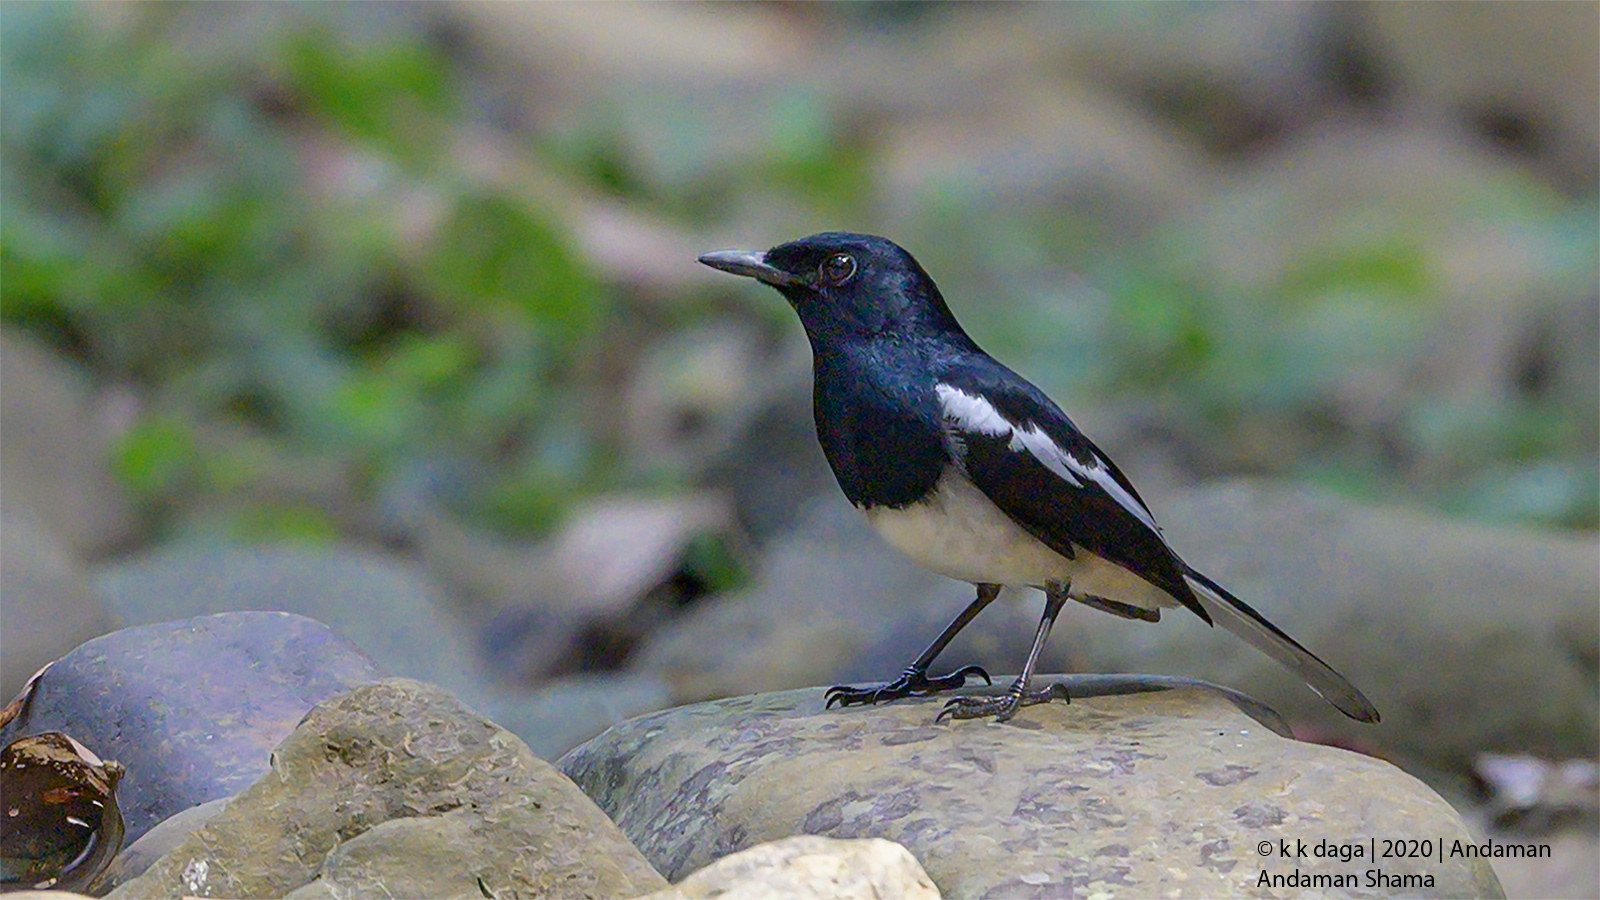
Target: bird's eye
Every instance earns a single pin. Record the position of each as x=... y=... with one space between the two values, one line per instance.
x=838 y=268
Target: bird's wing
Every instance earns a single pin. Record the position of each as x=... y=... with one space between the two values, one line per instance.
x=1028 y=458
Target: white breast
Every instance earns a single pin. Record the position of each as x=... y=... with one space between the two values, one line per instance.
x=960 y=533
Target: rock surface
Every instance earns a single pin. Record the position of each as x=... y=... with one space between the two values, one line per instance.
x=396 y=789
x=1153 y=793
x=139 y=855
x=191 y=708
x=807 y=867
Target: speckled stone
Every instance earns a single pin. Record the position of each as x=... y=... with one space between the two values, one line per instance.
x=1165 y=792
x=397 y=789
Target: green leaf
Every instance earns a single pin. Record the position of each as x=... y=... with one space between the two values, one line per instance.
x=393 y=94
x=282 y=523
x=377 y=411
x=713 y=563
x=494 y=251
x=154 y=456
x=429 y=362
x=525 y=506
x=1394 y=269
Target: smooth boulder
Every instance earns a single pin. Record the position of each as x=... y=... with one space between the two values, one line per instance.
x=1141 y=787
x=191 y=708
x=397 y=789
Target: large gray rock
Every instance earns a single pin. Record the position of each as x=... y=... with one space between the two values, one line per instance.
x=396 y=789
x=1063 y=141
x=191 y=708
x=54 y=449
x=1447 y=626
x=1147 y=794
x=389 y=607
x=552 y=718
x=48 y=605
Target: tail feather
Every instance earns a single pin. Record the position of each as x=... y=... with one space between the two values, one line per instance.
x=1235 y=615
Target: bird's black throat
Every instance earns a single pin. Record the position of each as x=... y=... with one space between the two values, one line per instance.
x=878 y=422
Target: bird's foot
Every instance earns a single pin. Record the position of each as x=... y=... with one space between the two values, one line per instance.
x=913 y=682
x=1002 y=707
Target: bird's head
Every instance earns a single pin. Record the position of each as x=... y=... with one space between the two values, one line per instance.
x=847 y=286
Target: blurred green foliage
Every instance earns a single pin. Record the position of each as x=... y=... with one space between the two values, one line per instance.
x=1307 y=368
x=272 y=235
x=286 y=523
x=1312 y=373
x=714 y=564
x=695 y=160
x=395 y=95
x=155 y=456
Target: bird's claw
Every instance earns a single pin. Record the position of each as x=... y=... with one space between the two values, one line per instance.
x=954 y=680
x=1002 y=707
x=911 y=683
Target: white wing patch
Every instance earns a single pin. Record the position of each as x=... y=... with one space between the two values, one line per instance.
x=977 y=414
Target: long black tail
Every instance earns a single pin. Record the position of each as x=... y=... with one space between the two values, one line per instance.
x=1235 y=615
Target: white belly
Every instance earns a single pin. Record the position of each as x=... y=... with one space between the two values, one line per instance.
x=958 y=532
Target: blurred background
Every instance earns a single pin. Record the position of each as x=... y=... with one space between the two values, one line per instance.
x=388 y=314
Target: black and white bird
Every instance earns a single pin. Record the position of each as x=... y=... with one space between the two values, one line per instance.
x=974 y=473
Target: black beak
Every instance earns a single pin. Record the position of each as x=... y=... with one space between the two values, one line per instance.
x=748 y=263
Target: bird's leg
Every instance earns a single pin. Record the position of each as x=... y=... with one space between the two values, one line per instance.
x=914 y=681
x=1018 y=695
